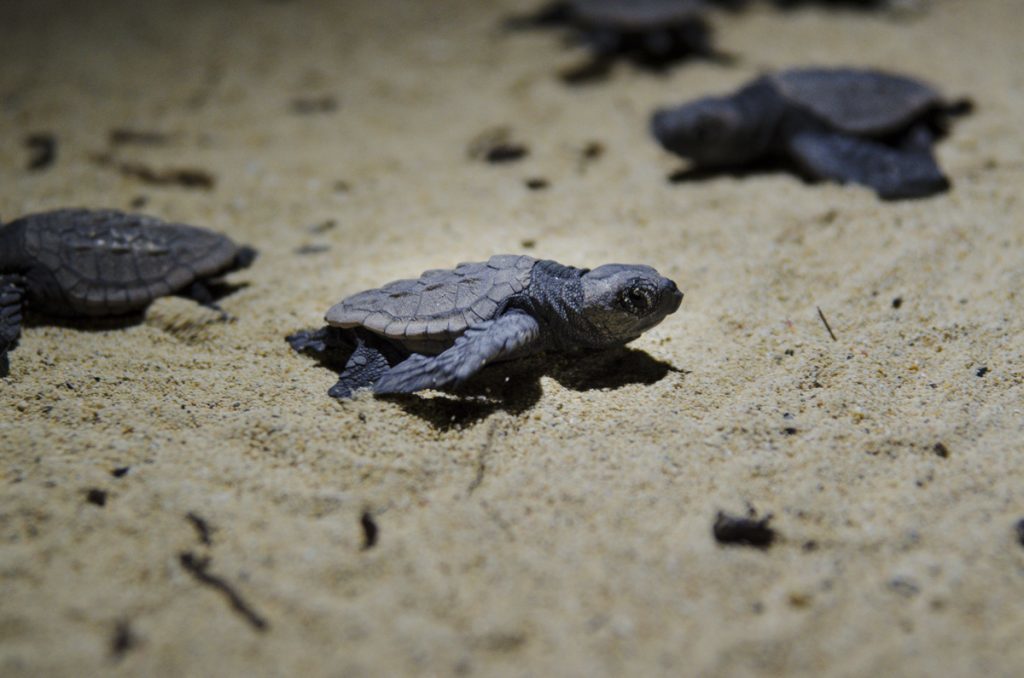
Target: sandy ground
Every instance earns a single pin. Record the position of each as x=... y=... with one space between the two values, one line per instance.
x=563 y=526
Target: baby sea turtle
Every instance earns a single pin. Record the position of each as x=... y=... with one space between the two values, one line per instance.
x=78 y=262
x=842 y=124
x=787 y=4
x=446 y=325
x=653 y=34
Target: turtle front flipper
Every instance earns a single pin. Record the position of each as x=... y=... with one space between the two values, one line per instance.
x=893 y=173
x=512 y=334
x=12 y=294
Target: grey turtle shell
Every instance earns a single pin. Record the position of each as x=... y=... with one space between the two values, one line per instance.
x=635 y=15
x=431 y=311
x=105 y=262
x=861 y=102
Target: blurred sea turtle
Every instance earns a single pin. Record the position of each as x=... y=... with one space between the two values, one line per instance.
x=907 y=5
x=653 y=34
x=78 y=262
x=446 y=325
x=841 y=124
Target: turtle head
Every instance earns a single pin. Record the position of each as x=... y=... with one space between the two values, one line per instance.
x=712 y=132
x=621 y=302
x=244 y=257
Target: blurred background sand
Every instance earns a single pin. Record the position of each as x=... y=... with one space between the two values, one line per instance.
x=561 y=526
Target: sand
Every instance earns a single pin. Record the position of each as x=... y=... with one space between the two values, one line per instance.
x=556 y=519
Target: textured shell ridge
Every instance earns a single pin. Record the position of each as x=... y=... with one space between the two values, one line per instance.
x=96 y=256
x=857 y=101
x=440 y=304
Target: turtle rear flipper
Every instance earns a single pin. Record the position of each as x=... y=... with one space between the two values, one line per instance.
x=511 y=334
x=892 y=173
x=11 y=299
x=200 y=293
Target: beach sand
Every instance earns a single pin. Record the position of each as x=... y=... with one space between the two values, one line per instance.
x=556 y=519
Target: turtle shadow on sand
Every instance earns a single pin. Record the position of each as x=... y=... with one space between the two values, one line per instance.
x=85 y=324
x=217 y=290
x=696 y=174
x=514 y=386
x=761 y=168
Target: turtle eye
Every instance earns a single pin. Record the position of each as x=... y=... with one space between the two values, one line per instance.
x=637 y=299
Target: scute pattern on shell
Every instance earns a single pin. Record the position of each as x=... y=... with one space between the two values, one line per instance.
x=857 y=101
x=106 y=261
x=440 y=303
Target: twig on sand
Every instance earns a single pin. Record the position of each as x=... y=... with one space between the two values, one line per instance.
x=827 y=326
x=197 y=567
x=481 y=460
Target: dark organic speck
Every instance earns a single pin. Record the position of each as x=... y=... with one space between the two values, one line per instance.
x=734 y=531
x=43 y=147
x=97 y=497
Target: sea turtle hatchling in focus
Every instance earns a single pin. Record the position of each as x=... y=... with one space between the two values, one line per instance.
x=78 y=262
x=653 y=34
x=443 y=327
x=840 y=124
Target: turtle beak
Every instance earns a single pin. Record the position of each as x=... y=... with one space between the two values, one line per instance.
x=672 y=297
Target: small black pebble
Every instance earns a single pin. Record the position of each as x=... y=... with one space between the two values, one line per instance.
x=369 y=530
x=897 y=302
x=323 y=226
x=789 y=351
x=98 y=497
x=506 y=153
x=789 y=431
x=941 y=450
x=537 y=184
x=904 y=586
x=1019 y=529
x=593 y=150
x=124 y=639
x=124 y=136
x=312 y=105
x=734 y=531
x=306 y=250
x=120 y=471
x=982 y=371
x=44 y=150
x=184 y=177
